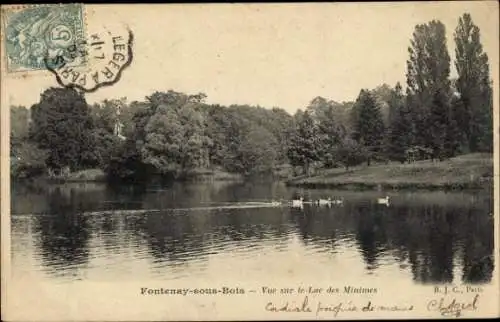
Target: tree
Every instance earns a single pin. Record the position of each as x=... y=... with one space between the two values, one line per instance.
x=194 y=140
x=231 y=131
x=400 y=125
x=107 y=133
x=163 y=140
x=454 y=137
x=383 y=95
x=127 y=117
x=438 y=121
x=19 y=124
x=304 y=142
x=474 y=86
x=217 y=120
x=276 y=121
x=62 y=124
x=369 y=126
x=257 y=152
x=328 y=117
x=235 y=129
x=104 y=115
x=428 y=70
x=281 y=129
x=170 y=133
x=105 y=144
x=126 y=163
x=27 y=160
x=350 y=153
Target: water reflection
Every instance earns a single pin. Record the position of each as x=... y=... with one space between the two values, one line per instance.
x=63 y=239
x=430 y=235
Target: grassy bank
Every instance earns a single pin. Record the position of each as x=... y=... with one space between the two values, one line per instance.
x=471 y=171
x=87 y=175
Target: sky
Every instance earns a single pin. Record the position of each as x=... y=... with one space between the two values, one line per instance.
x=272 y=55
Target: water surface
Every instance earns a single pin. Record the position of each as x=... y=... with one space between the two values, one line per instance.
x=209 y=230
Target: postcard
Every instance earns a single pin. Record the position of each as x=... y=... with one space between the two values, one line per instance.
x=295 y=161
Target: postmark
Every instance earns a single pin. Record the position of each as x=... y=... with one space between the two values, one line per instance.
x=33 y=33
x=104 y=55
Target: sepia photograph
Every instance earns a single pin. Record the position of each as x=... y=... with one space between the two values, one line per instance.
x=249 y=161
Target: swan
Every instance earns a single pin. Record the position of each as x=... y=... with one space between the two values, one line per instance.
x=275 y=203
x=338 y=201
x=297 y=203
x=324 y=202
x=383 y=201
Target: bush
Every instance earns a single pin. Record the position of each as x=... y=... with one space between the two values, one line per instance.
x=126 y=164
x=27 y=160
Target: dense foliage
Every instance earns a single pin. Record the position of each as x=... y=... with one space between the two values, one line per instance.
x=173 y=134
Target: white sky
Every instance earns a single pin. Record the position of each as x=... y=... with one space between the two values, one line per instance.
x=268 y=55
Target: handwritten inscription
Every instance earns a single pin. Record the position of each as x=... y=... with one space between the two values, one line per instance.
x=334 y=309
x=302 y=306
x=453 y=307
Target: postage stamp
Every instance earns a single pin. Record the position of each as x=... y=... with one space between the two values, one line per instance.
x=34 y=33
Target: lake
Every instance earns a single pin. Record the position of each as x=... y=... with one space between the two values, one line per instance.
x=91 y=232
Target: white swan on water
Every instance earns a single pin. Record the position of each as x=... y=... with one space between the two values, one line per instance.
x=275 y=203
x=298 y=203
x=324 y=202
x=383 y=201
x=338 y=201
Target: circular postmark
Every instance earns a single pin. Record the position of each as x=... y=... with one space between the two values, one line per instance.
x=92 y=63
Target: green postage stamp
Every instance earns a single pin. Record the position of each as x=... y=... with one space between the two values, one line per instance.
x=33 y=34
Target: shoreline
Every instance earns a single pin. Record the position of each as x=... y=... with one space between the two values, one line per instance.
x=353 y=186
x=465 y=172
x=451 y=186
x=98 y=176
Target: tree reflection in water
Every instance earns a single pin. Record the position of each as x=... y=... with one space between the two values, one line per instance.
x=64 y=231
x=431 y=236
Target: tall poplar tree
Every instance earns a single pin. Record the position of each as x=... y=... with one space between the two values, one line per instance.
x=474 y=86
x=428 y=70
